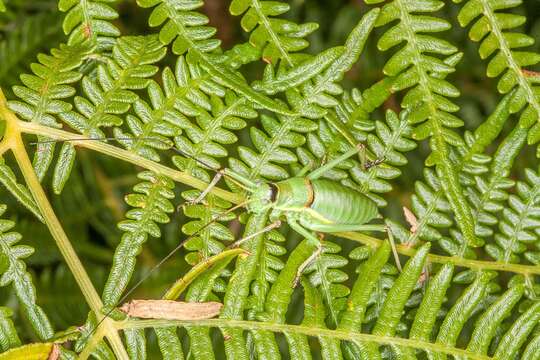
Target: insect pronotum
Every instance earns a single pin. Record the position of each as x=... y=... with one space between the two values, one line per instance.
x=307 y=202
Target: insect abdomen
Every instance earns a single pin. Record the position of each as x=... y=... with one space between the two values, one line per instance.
x=340 y=204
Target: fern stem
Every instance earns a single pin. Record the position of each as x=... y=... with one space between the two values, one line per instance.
x=270 y=30
x=65 y=247
x=14 y=139
x=303 y=330
x=526 y=270
x=4 y=146
x=128 y=156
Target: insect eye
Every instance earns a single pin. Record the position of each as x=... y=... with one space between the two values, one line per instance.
x=273 y=192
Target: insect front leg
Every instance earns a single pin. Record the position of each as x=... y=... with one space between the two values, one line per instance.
x=311 y=238
x=266 y=229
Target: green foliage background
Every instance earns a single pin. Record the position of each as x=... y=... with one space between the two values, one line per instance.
x=93 y=202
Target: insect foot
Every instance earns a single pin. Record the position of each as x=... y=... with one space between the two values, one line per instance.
x=171 y=310
x=305 y=264
x=369 y=164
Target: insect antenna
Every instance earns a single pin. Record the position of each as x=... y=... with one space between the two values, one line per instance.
x=94 y=139
x=220 y=172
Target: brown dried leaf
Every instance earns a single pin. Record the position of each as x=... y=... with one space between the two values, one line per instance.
x=171 y=310
x=55 y=352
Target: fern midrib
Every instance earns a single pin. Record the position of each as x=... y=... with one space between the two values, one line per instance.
x=485 y=197
x=275 y=39
x=232 y=80
x=149 y=205
x=424 y=220
x=463 y=212
x=303 y=330
x=284 y=128
x=519 y=226
x=396 y=135
x=503 y=46
x=157 y=114
x=118 y=84
x=44 y=98
x=87 y=20
x=325 y=284
x=148 y=128
x=215 y=124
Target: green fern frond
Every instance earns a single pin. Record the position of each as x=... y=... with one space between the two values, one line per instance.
x=109 y=96
x=236 y=296
x=151 y=206
x=276 y=38
x=187 y=31
x=19 y=191
x=388 y=319
x=486 y=325
x=42 y=98
x=208 y=240
x=272 y=147
x=389 y=143
x=313 y=99
x=268 y=271
x=431 y=209
x=492 y=28
x=521 y=218
x=13 y=271
x=278 y=298
x=185 y=94
x=24 y=43
x=415 y=65
x=518 y=333
x=314 y=315
x=8 y=334
x=90 y=20
x=326 y=275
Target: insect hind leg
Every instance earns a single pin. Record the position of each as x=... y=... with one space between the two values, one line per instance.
x=312 y=239
x=335 y=162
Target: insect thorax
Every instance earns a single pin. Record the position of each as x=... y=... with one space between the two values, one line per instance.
x=261 y=198
x=293 y=193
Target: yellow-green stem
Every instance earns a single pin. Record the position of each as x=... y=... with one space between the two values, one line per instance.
x=113 y=151
x=304 y=330
x=458 y=261
x=14 y=142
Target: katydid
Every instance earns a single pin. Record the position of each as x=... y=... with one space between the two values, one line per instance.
x=308 y=204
